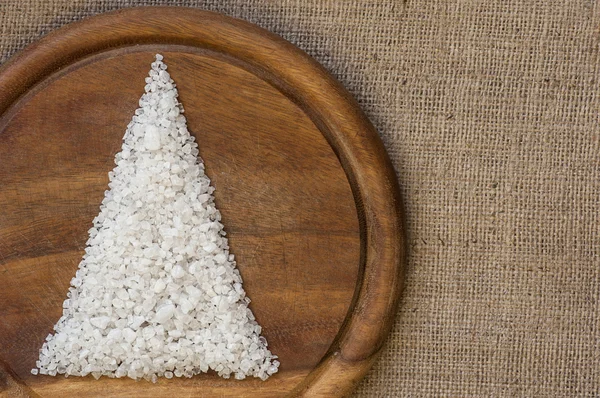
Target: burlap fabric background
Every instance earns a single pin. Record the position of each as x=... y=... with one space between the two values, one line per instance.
x=489 y=110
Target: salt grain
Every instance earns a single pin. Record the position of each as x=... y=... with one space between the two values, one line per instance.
x=129 y=335
x=157 y=293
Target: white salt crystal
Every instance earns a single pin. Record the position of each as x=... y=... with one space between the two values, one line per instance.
x=157 y=292
x=136 y=322
x=210 y=247
x=114 y=334
x=177 y=272
x=148 y=305
x=152 y=138
x=129 y=335
x=193 y=291
x=118 y=303
x=159 y=286
x=164 y=313
x=122 y=294
x=100 y=322
x=185 y=305
x=83 y=354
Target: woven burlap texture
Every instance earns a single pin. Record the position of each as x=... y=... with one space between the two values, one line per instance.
x=489 y=111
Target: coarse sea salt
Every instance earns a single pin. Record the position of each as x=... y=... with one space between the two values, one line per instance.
x=157 y=293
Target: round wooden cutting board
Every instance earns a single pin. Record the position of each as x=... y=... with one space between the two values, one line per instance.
x=308 y=196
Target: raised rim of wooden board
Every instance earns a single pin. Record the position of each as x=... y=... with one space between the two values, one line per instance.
x=332 y=109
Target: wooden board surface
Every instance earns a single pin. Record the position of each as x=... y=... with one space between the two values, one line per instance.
x=307 y=193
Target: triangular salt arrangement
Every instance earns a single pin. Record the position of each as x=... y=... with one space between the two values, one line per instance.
x=157 y=292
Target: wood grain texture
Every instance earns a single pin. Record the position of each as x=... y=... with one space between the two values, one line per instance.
x=308 y=196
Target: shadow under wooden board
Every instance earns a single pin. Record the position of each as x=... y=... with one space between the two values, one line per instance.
x=308 y=196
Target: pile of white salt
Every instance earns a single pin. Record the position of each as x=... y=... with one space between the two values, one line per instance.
x=157 y=292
